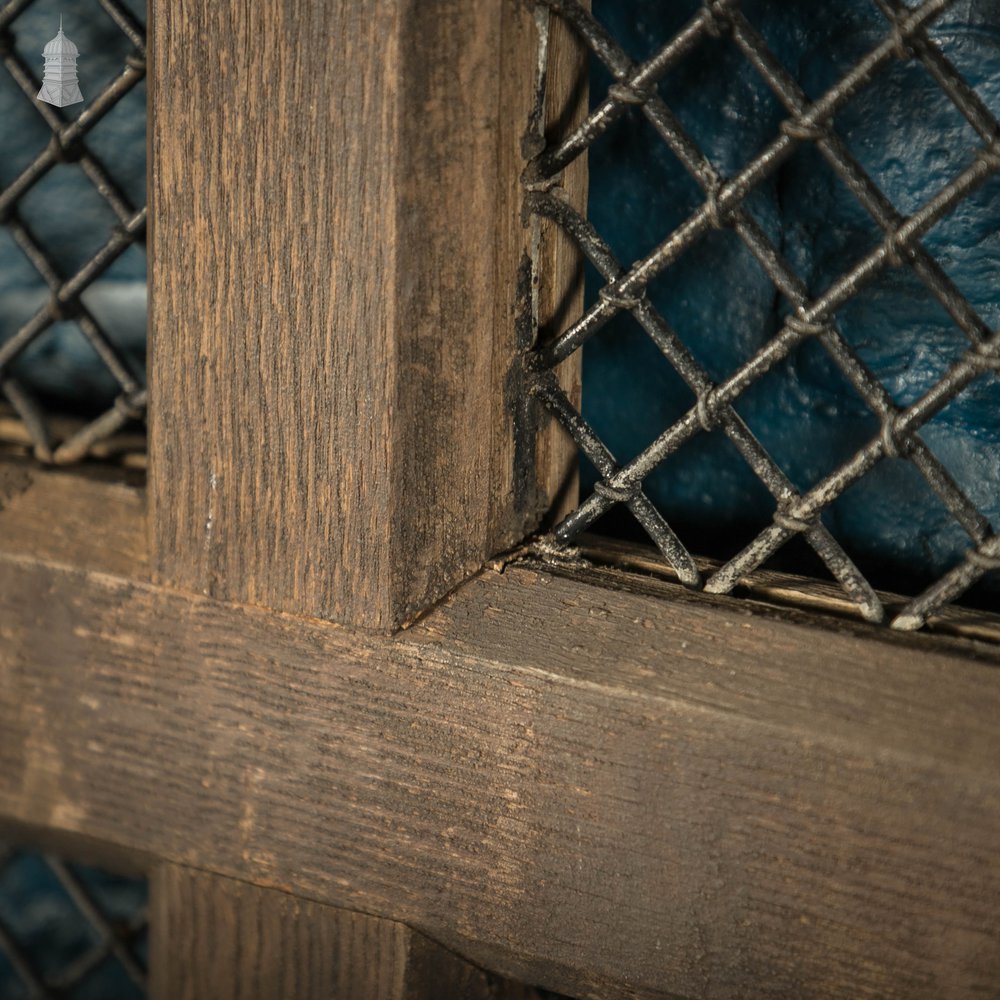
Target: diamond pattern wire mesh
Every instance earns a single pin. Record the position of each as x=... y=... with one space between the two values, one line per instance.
x=52 y=439
x=69 y=931
x=795 y=513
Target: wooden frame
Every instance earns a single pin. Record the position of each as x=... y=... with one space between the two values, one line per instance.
x=570 y=775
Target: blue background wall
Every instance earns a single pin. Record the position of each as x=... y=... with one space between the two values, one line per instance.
x=65 y=212
x=911 y=140
x=52 y=934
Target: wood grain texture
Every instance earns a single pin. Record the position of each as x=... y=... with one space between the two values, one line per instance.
x=214 y=938
x=337 y=422
x=549 y=267
x=92 y=518
x=607 y=792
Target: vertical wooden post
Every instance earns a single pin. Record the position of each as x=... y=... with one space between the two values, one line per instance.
x=339 y=425
x=339 y=421
x=215 y=938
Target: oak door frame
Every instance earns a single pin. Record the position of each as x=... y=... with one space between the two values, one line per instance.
x=570 y=774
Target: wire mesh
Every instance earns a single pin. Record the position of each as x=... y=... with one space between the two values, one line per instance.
x=808 y=318
x=52 y=437
x=69 y=931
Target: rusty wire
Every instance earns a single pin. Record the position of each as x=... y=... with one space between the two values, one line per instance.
x=68 y=145
x=113 y=939
x=809 y=318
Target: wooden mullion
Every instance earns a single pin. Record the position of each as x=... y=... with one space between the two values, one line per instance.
x=219 y=938
x=338 y=424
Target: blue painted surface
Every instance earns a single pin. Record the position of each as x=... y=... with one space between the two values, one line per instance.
x=911 y=140
x=65 y=212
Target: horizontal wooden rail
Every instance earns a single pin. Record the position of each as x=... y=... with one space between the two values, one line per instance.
x=92 y=517
x=606 y=790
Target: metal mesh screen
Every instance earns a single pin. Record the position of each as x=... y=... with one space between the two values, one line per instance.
x=807 y=318
x=69 y=931
x=52 y=436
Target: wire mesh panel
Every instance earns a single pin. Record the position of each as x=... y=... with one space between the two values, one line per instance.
x=69 y=930
x=806 y=316
x=71 y=224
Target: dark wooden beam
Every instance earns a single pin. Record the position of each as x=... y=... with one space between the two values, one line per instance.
x=215 y=937
x=92 y=517
x=340 y=425
x=606 y=792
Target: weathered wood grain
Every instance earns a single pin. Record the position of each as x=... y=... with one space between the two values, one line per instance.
x=338 y=424
x=92 y=518
x=606 y=792
x=214 y=937
x=548 y=266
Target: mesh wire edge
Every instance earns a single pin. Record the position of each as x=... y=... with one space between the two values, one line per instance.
x=795 y=513
x=45 y=432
